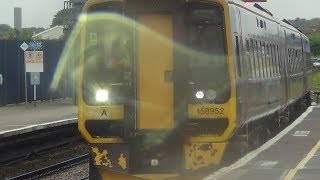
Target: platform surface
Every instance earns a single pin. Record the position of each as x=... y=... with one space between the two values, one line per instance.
x=292 y=154
x=19 y=117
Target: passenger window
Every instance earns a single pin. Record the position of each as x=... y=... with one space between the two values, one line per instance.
x=279 y=59
x=274 y=66
x=276 y=59
x=293 y=61
x=238 y=56
x=289 y=60
x=259 y=59
x=270 y=69
x=256 y=51
x=297 y=61
x=248 y=57
x=264 y=62
x=253 y=65
x=273 y=60
x=300 y=61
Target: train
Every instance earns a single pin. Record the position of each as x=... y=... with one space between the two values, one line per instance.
x=174 y=86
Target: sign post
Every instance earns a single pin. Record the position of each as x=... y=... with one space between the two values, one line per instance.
x=34 y=65
x=24 y=46
x=34 y=80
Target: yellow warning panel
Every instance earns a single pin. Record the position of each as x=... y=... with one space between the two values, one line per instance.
x=103 y=112
x=155 y=61
x=199 y=155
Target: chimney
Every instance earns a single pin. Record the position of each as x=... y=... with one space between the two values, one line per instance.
x=17 y=18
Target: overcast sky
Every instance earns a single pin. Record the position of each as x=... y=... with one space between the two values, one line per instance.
x=39 y=13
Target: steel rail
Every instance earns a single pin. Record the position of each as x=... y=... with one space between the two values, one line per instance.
x=53 y=168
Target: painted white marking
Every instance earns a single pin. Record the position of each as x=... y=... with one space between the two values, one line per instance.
x=241 y=162
x=15 y=125
x=268 y=163
x=301 y=133
x=39 y=126
x=283 y=175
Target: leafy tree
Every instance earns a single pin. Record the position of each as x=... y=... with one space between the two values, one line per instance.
x=4 y=30
x=315 y=43
x=65 y=17
x=307 y=26
x=20 y=35
x=315 y=49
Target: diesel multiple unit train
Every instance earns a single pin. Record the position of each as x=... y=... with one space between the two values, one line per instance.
x=167 y=87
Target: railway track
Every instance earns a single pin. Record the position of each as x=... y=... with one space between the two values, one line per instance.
x=53 y=168
x=21 y=146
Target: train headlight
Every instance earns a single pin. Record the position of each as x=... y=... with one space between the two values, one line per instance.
x=211 y=94
x=199 y=94
x=102 y=96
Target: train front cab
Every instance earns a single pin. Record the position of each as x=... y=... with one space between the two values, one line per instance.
x=157 y=90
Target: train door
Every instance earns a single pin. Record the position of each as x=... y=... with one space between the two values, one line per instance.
x=155 y=61
x=285 y=78
x=243 y=65
x=304 y=69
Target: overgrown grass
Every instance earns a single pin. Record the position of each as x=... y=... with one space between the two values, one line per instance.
x=315 y=80
x=315 y=37
x=315 y=44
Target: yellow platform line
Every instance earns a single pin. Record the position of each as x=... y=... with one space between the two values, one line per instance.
x=302 y=163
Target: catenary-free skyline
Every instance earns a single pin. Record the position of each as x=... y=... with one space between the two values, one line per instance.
x=39 y=13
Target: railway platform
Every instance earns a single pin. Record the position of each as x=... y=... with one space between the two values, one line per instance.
x=19 y=118
x=292 y=154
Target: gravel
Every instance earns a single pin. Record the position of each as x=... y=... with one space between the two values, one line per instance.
x=38 y=161
x=75 y=173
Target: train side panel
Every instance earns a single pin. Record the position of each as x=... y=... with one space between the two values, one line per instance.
x=260 y=73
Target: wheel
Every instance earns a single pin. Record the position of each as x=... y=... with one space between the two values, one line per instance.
x=303 y=107
x=284 y=122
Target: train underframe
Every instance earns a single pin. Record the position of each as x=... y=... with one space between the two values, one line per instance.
x=257 y=132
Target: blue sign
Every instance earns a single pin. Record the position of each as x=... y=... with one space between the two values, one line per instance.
x=35 y=45
x=35 y=78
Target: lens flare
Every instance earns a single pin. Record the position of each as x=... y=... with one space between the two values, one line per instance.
x=102 y=96
x=199 y=94
x=211 y=94
x=80 y=51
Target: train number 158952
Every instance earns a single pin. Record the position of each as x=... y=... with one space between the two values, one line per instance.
x=210 y=111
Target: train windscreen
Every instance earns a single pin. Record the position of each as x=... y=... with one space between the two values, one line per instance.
x=108 y=59
x=208 y=61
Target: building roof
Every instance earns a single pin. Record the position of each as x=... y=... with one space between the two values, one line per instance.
x=48 y=30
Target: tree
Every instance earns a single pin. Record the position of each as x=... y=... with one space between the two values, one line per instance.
x=315 y=49
x=17 y=34
x=62 y=18
x=4 y=30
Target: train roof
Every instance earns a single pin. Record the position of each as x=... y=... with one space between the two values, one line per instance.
x=259 y=10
